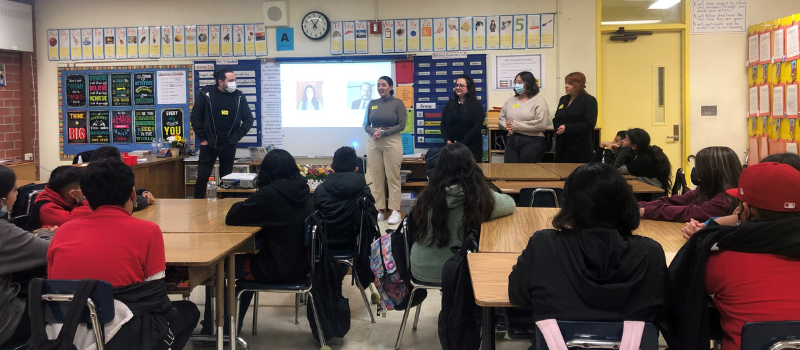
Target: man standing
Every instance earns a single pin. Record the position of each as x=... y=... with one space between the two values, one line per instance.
x=366 y=96
x=220 y=118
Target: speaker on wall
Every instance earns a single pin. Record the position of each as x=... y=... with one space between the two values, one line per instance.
x=275 y=14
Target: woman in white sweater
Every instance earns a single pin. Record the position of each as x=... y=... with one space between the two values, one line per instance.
x=525 y=116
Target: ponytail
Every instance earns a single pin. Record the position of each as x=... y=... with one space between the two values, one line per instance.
x=663 y=167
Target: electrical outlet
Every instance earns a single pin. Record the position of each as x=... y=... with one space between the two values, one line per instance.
x=708 y=111
x=28 y=156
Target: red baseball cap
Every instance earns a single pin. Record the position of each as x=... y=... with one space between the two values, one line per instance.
x=770 y=186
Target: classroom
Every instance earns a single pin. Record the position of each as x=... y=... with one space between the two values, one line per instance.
x=280 y=153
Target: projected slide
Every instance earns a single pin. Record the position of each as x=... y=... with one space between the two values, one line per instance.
x=322 y=95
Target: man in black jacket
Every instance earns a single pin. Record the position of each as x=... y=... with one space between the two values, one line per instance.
x=220 y=118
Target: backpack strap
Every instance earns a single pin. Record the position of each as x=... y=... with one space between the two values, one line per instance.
x=631 y=335
x=552 y=334
x=67 y=334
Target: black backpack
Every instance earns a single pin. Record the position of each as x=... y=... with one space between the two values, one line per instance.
x=458 y=325
x=332 y=308
x=66 y=336
x=368 y=226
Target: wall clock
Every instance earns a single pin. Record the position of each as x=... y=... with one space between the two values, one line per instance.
x=316 y=25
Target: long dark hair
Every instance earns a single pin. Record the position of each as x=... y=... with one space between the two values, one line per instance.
x=455 y=166
x=719 y=169
x=596 y=195
x=314 y=100
x=390 y=82
x=277 y=165
x=469 y=97
x=7 y=181
x=641 y=139
x=531 y=87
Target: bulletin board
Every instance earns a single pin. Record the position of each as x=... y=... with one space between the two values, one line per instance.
x=433 y=84
x=122 y=106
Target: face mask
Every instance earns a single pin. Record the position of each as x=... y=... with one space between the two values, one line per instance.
x=519 y=88
x=4 y=210
x=231 y=87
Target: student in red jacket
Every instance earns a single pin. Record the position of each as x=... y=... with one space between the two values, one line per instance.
x=62 y=199
x=718 y=169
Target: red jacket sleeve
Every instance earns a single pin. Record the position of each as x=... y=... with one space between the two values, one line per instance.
x=682 y=208
x=156 y=258
x=52 y=214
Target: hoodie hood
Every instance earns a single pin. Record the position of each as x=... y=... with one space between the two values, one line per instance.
x=778 y=237
x=294 y=192
x=454 y=196
x=606 y=266
x=51 y=195
x=345 y=185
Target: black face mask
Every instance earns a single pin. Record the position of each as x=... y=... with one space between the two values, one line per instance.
x=695 y=177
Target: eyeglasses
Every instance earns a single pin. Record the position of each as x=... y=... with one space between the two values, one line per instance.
x=461 y=86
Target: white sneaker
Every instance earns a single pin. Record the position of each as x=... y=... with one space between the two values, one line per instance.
x=394 y=219
x=381 y=217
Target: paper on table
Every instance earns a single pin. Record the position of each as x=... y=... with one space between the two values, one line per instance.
x=753 y=101
x=765 y=47
x=752 y=56
x=777 y=46
x=791 y=100
x=777 y=101
x=763 y=99
x=792 y=42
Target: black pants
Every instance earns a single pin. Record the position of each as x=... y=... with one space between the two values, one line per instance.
x=181 y=325
x=208 y=156
x=524 y=149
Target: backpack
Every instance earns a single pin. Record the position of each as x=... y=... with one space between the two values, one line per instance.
x=392 y=275
x=458 y=326
x=332 y=308
x=368 y=226
x=66 y=336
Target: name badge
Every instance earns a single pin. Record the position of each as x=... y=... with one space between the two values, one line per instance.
x=561 y=106
x=374 y=107
x=515 y=105
x=224 y=112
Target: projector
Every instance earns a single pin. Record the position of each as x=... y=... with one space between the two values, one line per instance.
x=238 y=180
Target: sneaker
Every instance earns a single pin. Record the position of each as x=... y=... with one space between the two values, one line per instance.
x=381 y=217
x=394 y=219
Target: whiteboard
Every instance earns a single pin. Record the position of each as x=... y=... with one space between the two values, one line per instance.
x=719 y=16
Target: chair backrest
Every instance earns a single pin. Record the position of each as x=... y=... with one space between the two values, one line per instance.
x=541 y=197
x=55 y=293
x=774 y=335
x=362 y=165
x=26 y=196
x=313 y=224
x=407 y=237
x=598 y=335
x=21 y=221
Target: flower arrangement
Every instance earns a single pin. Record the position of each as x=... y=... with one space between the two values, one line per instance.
x=177 y=141
x=314 y=172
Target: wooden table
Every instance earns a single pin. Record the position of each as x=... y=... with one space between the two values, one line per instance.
x=561 y=169
x=513 y=187
x=516 y=171
x=193 y=215
x=21 y=183
x=163 y=177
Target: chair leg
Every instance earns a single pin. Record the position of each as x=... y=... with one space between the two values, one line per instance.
x=296 y=307
x=416 y=318
x=403 y=322
x=255 y=313
x=366 y=301
x=316 y=320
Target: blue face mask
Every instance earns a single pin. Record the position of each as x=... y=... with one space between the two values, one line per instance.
x=519 y=88
x=4 y=211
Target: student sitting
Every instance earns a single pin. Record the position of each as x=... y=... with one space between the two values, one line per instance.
x=591 y=267
x=62 y=200
x=457 y=199
x=111 y=245
x=751 y=269
x=337 y=200
x=648 y=163
x=608 y=149
x=718 y=169
x=143 y=198
x=20 y=251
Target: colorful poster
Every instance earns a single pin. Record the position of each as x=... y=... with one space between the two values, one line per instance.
x=202 y=41
x=753 y=110
x=97 y=44
x=250 y=39
x=439 y=34
x=178 y=42
x=121 y=89
x=778 y=51
x=120 y=41
x=349 y=37
x=413 y=35
x=132 y=42
x=534 y=32
x=166 y=42
x=765 y=47
x=401 y=33
x=479 y=33
x=171 y=122
x=548 y=30
x=261 y=40
x=99 y=127
x=63 y=45
x=76 y=127
x=793 y=42
x=76 y=90
x=144 y=121
x=752 y=49
x=226 y=36
x=506 y=32
x=98 y=90
x=336 y=38
x=214 y=38
x=86 y=44
x=452 y=34
x=144 y=42
x=122 y=122
x=388 y=36
x=520 y=30
x=791 y=100
x=778 y=101
x=763 y=99
x=238 y=39
x=426 y=35
x=75 y=51
x=284 y=39
x=143 y=89
x=465 y=33
x=110 y=43
x=190 y=33
x=362 y=44
x=493 y=32
x=52 y=45
x=155 y=42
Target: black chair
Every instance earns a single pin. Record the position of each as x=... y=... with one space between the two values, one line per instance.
x=26 y=197
x=21 y=221
x=361 y=163
x=774 y=335
x=598 y=335
x=84 y=156
x=541 y=197
x=680 y=186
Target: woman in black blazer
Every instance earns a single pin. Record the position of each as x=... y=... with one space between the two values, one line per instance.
x=463 y=117
x=574 y=122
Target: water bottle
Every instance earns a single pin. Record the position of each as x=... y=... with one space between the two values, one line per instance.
x=211 y=190
x=154 y=147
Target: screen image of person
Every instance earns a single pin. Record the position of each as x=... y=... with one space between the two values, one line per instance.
x=366 y=96
x=310 y=102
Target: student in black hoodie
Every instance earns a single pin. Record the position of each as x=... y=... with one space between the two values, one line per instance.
x=591 y=267
x=647 y=162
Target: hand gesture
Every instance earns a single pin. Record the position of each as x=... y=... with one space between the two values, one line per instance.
x=691 y=227
x=560 y=129
x=377 y=135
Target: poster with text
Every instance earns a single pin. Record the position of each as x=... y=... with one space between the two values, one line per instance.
x=75 y=53
x=250 y=39
x=792 y=42
x=110 y=42
x=791 y=100
x=493 y=32
x=261 y=40
x=99 y=122
x=143 y=89
x=120 y=39
x=179 y=42
x=86 y=44
x=171 y=87
x=63 y=45
x=121 y=89
x=76 y=127
x=400 y=35
x=238 y=40
x=778 y=51
x=202 y=41
x=76 y=90
x=171 y=122
x=226 y=40
x=98 y=90
x=98 y=51
x=548 y=30
x=426 y=35
x=763 y=99
x=452 y=33
x=155 y=42
x=362 y=44
x=122 y=124
x=520 y=30
x=506 y=69
x=439 y=34
x=465 y=33
x=506 y=32
x=166 y=42
x=214 y=38
x=412 y=36
x=534 y=32
x=349 y=37
x=190 y=33
x=144 y=121
x=479 y=33
x=132 y=42
x=778 y=100
x=336 y=38
x=765 y=47
x=144 y=42
x=52 y=45
x=387 y=36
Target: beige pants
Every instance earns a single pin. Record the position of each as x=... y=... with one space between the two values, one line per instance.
x=384 y=157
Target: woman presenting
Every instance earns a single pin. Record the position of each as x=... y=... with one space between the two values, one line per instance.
x=525 y=117
x=385 y=118
x=574 y=121
x=463 y=116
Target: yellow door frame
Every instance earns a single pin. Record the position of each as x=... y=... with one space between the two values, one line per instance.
x=685 y=29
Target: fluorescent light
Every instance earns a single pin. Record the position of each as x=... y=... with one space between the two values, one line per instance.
x=663 y=4
x=620 y=23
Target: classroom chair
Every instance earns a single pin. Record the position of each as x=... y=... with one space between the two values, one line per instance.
x=52 y=300
x=301 y=287
x=775 y=335
x=598 y=335
x=26 y=197
x=21 y=346
x=547 y=197
x=680 y=186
